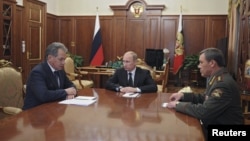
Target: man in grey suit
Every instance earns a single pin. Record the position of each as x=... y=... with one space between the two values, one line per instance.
x=141 y=81
x=47 y=81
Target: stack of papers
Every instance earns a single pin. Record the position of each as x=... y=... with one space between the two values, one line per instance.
x=131 y=95
x=80 y=100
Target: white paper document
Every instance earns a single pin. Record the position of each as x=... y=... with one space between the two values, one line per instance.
x=131 y=95
x=83 y=101
x=85 y=97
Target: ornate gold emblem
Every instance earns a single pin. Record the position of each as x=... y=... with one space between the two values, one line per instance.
x=136 y=9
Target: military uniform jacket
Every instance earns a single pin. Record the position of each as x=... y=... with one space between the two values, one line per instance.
x=220 y=104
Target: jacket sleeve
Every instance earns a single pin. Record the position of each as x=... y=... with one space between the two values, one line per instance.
x=147 y=84
x=113 y=82
x=43 y=89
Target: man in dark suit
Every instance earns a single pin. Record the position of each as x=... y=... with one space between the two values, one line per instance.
x=140 y=81
x=47 y=81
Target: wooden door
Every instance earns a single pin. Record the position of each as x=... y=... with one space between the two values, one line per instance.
x=34 y=31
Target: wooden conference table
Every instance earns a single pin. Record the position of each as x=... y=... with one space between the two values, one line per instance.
x=111 y=118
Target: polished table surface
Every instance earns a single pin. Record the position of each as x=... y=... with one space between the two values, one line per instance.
x=111 y=118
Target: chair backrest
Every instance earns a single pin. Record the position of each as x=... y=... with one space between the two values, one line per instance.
x=69 y=68
x=11 y=90
x=165 y=76
x=142 y=64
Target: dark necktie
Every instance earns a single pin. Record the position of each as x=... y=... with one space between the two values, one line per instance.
x=130 y=80
x=57 y=77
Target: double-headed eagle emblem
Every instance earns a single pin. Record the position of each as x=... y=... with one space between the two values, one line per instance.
x=136 y=9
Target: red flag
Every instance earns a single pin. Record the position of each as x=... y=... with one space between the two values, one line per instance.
x=179 y=48
x=96 y=56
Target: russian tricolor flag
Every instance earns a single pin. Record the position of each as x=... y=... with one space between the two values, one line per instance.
x=96 y=56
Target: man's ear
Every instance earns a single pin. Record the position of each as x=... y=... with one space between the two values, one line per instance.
x=212 y=63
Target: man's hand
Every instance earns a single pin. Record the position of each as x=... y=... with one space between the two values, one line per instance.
x=128 y=90
x=176 y=96
x=70 y=96
x=172 y=104
x=71 y=92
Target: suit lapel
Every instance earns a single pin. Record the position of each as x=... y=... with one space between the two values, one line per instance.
x=125 y=75
x=136 y=78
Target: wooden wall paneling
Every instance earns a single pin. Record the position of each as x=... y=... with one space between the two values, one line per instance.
x=84 y=27
x=195 y=33
x=169 y=25
x=106 y=25
x=119 y=35
x=66 y=33
x=218 y=29
x=153 y=33
x=135 y=36
x=52 y=29
x=142 y=29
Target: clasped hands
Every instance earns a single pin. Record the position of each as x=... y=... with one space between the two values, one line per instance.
x=128 y=90
x=71 y=92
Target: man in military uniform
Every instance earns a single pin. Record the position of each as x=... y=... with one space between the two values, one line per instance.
x=220 y=103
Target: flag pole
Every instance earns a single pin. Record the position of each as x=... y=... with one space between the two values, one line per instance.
x=180 y=69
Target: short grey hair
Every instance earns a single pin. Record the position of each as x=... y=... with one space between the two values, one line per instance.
x=53 y=48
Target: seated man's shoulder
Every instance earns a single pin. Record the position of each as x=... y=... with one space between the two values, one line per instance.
x=142 y=70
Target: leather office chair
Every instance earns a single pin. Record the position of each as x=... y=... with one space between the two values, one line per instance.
x=11 y=90
x=162 y=78
x=81 y=79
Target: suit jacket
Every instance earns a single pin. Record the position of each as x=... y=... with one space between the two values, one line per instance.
x=42 y=86
x=143 y=80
